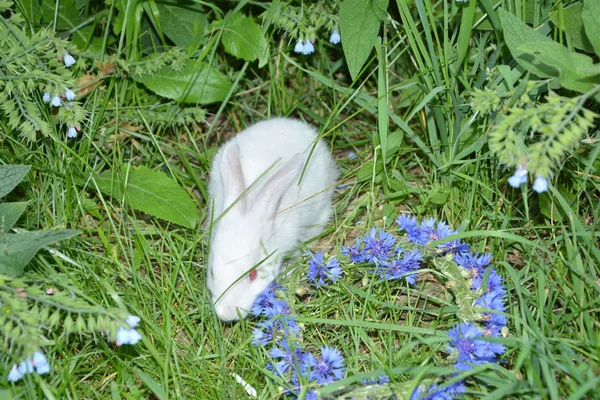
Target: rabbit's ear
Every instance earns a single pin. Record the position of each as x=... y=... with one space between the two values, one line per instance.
x=279 y=183
x=232 y=177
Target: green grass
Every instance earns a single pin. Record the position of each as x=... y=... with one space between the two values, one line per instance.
x=435 y=165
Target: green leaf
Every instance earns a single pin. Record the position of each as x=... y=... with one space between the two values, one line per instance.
x=359 y=26
x=154 y=386
x=196 y=83
x=152 y=192
x=243 y=38
x=591 y=22
x=31 y=10
x=10 y=176
x=573 y=69
x=183 y=25
x=17 y=249
x=573 y=25
x=10 y=213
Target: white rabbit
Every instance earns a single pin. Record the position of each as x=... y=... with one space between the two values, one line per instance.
x=281 y=180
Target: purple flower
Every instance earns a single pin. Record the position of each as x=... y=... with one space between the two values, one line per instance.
x=519 y=178
x=46 y=97
x=127 y=336
x=265 y=300
x=276 y=327
x=470 y=349
x=411 y=226
x=290 y=359
x=55 y=101
x=540 y=184
x=379 y=246
x=335 y=37
x=475 y=264
x=318 y=271
x=71 y=132
x=69 y=94
x=329 y=368
x=402 y=267
x=355 y=253
x=69 y=60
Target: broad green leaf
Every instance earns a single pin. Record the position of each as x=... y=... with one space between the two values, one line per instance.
x=243 y=38
x=195 y=83
x=10 y=176
x=517 y=33
x=10 y=213
x=67 y=17
x=557 y=61
x=184 y=26
x=31 y=10
x=152 y=192
x=17 y=249
x=359 y=26
x=573 y=25
x=591 y=22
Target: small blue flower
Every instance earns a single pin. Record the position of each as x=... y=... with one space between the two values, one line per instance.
x=540 y=184
x=40 y=363
x=519 y=178
x=55 y=101
x=279 y=326
x=329 y=368
x=309 y=48
x=379 y=246
x=132 y=320
x=335 y=37
x=127 y=336
x=69 y=94
x=69 y=60
x=475 y=264
x=14 y=374
x=265 y=300
x=318 y=271
x=494 y=284
x=470 y=349
x=46 y=97
x=383 y=379
x=403 y=267
x=355 y=253
x=411 y=226
x=71 y=132
x=299 y=48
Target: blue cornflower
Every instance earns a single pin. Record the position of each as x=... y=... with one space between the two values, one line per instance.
x=289 y=359
x=329 y=368
x=379 y=246
x=265 y=300
x=68 y=60
x=69 y=94
x=470 y=349
x=55 y=101
x=519 y=178
x=127 y=336
x=435 y=231
x=475 y=264
x=46 y=97
x=274 y=328
x=335 y=37
x=355 y=253
x=540 y=184
x=403 y=267
x=447 y=393
x=318 y=271
x=411 y=226
x=494 y=284
x=492 y=301
x=71 y=132
x=309 y=48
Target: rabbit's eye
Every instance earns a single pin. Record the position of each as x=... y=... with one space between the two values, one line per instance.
x=253 y=274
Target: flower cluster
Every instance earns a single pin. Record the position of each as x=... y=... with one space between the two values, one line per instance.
x=129 y=335
x=391 y=260
x=540 y=184
x=69 y=95
x=36 y=363
x=307 y=47
x=290 y=361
